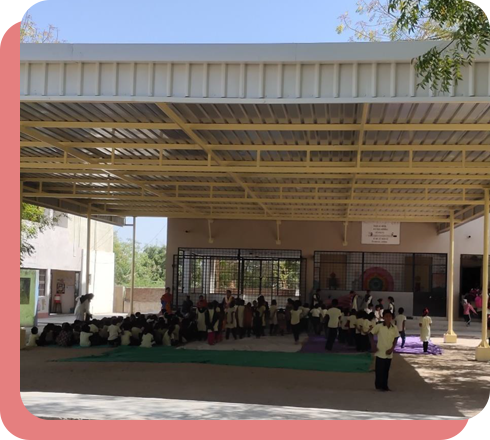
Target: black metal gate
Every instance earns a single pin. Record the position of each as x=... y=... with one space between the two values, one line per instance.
x=248 y=273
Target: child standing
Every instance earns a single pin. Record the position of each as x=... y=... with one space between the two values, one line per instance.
x=400 y=322
x=359 y=324
x=467 y=309
x=351 y=332
x=391 y=305
x=273 y=317
x=281 y=322
x=334 y=314
x=201 y=323
x=316 y=314
x=248 y=320
x=387 y=334
x=344 y=326
x=305 y=317
x=240 y=315
x=424 y=324
x=231 y=320
x=257 y=324
x=296 y=312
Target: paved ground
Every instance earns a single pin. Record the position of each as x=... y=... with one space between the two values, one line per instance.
x=84 y=406
x=452 y=385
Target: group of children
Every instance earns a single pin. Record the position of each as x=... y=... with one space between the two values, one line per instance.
x=135 y=330
x=231 y=318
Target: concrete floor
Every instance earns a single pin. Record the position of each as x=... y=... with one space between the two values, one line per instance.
x=451 y=385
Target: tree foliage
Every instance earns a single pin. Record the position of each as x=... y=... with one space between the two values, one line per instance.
x=31 y=33
x=34 y=222
x=461 y=27
x=149 y=266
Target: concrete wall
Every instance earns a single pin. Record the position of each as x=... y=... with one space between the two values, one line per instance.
x=145 y=300
x=318 y=236
x=63 y=248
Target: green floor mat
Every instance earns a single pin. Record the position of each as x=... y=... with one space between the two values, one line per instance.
x=344 y=363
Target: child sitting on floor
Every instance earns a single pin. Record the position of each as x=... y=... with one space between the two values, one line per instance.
x=147 y=341
x=47 y=336
x=85 y=336
x=113 y=333
x=33 y=337
x=65 y=337
x=126 y=334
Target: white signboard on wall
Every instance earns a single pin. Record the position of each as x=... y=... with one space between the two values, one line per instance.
x=380 y=233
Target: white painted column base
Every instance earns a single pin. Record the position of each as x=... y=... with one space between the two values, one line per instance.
x=450 y=338
x=22 y=338
x=483 y=354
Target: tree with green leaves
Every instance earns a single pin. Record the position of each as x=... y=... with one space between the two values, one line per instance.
x=461 y=27
x=35 y=221
x=149 y=268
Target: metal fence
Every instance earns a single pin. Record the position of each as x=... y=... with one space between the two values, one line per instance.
x=423 y=274
x=248 y=273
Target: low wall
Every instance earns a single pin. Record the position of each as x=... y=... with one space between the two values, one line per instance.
x=145 y=300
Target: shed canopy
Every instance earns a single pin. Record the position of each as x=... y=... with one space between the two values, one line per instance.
x=336 y=132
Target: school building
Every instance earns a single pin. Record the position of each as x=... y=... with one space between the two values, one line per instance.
x=281 y=167
x=55 y=274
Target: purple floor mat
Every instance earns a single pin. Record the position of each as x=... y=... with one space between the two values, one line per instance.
x=316 y=344
x=413 y=345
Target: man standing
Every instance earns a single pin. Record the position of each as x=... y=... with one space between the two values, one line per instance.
x=387 y=336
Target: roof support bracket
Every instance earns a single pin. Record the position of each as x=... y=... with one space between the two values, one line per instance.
x=210 y=232
x=278 y=232
x=346 y=227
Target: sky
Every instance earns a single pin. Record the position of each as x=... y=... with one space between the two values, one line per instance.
x=190 y=21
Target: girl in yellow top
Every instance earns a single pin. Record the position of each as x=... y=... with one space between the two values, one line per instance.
x=424 y=324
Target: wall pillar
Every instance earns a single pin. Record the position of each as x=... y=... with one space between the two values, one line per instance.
x=483 y=350
x=131 y=297
x=451 y=336
x=87 y=269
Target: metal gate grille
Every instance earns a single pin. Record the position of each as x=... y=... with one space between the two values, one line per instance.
x=248 y=273
x=422 y=274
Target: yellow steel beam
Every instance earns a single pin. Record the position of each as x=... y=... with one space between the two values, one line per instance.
x=339 y=127
x=466 y=175
x=99 y=124
x=375 y=199
x=83 y=157
x=199 y=141
x=268 y=147
x=254 y=126
x=156 y=213
x=218 y=184
x=231 y=169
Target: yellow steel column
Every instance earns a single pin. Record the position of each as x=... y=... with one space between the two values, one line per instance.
x=132 y=267
x=450 y=336
x=21 y=211
x=483 y=350
x=87 y=272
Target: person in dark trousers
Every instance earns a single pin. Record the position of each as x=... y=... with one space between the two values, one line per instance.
x=334 y=314
x=387 y=334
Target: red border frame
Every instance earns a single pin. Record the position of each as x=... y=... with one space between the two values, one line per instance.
x=23 y=424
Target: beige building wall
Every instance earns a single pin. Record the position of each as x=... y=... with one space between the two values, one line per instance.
x=318 y=236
